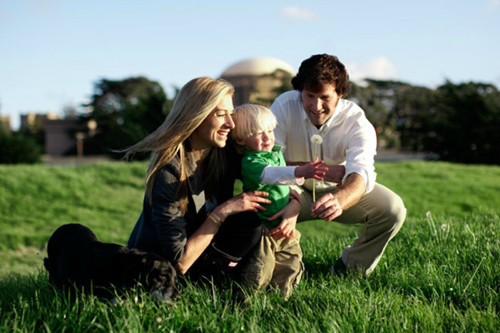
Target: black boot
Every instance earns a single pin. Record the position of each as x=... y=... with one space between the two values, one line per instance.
x=339 y=268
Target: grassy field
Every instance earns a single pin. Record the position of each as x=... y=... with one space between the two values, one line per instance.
x=441 y=273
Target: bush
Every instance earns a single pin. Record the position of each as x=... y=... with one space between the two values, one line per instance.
x=16 y=148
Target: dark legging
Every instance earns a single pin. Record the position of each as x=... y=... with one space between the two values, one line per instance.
x=237 y=236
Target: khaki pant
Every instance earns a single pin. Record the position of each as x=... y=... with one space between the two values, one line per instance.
x=276 y=263
x=382 y=213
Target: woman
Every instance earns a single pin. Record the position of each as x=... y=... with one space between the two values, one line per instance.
x=189 y=215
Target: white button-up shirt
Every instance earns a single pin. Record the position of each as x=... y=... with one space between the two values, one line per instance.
x=348 y=138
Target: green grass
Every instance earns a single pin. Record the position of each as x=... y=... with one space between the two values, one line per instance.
x=441 y=273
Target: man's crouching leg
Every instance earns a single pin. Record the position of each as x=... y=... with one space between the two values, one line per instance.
x=382 y=213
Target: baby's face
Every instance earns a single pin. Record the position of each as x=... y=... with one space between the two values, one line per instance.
x=261 y=141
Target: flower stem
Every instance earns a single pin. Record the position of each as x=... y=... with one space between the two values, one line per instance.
x=314 y=180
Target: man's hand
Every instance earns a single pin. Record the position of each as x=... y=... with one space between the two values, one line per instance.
x=330 y=206
x=327 y=207
x=335 y=174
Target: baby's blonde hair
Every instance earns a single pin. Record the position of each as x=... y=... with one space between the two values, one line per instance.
x=250 y=119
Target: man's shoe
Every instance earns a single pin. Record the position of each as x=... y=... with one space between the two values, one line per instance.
x=339 y=268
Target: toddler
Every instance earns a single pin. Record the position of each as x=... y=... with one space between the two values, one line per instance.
x=277 y=260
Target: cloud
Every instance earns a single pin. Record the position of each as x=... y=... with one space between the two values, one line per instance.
x=497 y=81
x=43 y=6
x=493 y=3
x=378 y=68
x=297 y=13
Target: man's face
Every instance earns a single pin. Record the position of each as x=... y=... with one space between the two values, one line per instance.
x=320 y=106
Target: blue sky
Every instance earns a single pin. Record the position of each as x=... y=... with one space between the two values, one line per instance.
x=53 y=51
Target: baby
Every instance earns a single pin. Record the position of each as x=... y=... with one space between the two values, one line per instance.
x=277 y=260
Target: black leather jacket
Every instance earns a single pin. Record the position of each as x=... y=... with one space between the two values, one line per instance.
x=162 y=227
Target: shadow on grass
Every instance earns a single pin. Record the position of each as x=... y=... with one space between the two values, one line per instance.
x=322 y=243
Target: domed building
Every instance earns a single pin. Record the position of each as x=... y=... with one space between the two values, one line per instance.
x=259 y=80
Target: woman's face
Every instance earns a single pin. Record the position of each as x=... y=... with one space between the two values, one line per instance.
x=214 y=130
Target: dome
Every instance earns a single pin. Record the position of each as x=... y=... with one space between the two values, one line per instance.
x=257 y=66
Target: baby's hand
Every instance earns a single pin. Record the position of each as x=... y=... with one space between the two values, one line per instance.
x=311 y=170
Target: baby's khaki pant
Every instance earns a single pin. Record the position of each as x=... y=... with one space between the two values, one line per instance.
x=276 y=263
x=382 y=213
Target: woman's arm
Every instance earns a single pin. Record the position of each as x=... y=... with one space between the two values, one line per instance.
x=198 y=242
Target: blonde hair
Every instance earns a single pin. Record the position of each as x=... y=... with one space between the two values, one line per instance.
x=194 y=102
x=250 y=119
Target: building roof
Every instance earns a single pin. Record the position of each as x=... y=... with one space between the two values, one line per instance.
x=257 y=66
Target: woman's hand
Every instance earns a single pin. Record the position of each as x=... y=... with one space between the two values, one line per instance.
x=289 y=215
x=248 y=201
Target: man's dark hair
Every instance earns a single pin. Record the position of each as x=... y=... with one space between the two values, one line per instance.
x=319 y=70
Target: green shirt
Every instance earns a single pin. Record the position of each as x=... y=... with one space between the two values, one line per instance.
x=252 y=165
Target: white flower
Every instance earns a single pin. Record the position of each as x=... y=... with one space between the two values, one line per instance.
x=317 y=139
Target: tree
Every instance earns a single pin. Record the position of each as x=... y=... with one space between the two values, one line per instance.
x=459 y=123
x=378 y=99
x=125 y=111
x=414 y=111
x=465 y=126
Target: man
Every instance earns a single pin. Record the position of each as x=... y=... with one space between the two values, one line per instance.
x=349 y=194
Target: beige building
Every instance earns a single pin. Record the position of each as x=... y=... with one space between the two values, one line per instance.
x=5 y=121
x=61 y=135
x=256 y=80
x=33 y=122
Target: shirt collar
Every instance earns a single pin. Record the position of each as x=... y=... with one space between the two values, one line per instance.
x=276 y=148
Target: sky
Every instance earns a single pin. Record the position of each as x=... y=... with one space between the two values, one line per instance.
x=52 y=52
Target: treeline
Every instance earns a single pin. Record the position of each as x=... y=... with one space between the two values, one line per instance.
x=456 y=122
